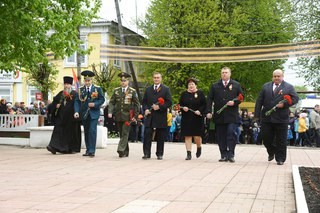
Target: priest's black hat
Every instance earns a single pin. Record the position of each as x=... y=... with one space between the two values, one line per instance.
x=67 y=80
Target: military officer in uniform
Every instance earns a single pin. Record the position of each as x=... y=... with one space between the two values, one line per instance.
x=124 y=104
x=87 y=107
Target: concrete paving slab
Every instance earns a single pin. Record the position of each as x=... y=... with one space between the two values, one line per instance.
x=34 y=180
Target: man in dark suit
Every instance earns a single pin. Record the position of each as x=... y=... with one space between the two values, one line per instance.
x=155 y=115
x=124 y=105
x=274 y=127
x=87 y=106
x=224 y=94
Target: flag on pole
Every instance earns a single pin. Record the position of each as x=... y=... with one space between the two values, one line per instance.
x=75 y=80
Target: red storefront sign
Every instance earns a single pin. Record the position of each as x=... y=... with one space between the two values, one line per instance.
x=38 y=96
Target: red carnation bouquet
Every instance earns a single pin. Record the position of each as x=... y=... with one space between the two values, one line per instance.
x=67 y=95
x=64 y=97
x=239 y=98
x=286 y=99
x=160 y=102
x=131 y=114
x=128 y=123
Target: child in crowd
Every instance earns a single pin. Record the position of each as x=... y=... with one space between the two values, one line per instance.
x=289 y=135
x=255 y=132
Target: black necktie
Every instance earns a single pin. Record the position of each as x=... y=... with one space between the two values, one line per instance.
x=88 y=90
x=155 y=88
x=123 y=90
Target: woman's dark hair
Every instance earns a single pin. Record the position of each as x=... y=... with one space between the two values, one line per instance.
x=194 y=80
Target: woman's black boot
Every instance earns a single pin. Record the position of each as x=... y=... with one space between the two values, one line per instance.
x=188 y=155
x=198 y=154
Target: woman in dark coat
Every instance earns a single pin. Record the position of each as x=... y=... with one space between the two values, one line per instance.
x=193 y=105
x=66 y=135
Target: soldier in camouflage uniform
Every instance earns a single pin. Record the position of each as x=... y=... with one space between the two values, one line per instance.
x=124 y=104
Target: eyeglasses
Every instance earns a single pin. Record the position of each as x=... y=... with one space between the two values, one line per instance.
x=123 y=80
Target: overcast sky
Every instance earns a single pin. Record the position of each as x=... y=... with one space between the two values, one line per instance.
x=131 y=10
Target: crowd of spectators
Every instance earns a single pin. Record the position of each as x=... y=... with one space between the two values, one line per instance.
x=20 y=108
x=302 y=128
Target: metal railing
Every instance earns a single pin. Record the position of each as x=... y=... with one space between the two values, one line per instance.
x=17 y=123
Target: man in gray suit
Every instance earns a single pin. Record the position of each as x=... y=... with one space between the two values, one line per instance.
x=274 y=126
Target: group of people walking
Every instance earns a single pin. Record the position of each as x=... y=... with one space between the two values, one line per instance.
x=221 y=104
x=72 y=108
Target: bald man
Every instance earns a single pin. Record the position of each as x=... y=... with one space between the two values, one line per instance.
x=274 y=127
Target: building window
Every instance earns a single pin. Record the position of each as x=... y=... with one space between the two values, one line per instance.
x=32 y=95
x=116 y=62
x=5 y=93
x=71 y=61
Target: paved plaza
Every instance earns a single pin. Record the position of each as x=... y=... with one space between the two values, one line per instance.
x=34 y=180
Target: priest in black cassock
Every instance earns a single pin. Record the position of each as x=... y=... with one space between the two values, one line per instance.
x=66 y=135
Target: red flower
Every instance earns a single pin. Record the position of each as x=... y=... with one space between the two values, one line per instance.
x=176 y=107
x=66 y=95
x=288 y=99
x=127 y=123
x=131 y=114
x=239 y=98
x=160 y=101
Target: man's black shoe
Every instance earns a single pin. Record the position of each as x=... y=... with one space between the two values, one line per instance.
x=52 y=150
x=270 y=157
x=231 y=160
x=145 y=157
x=88 y=155
x=224 y=159
x=280 y=162
x=159 y=157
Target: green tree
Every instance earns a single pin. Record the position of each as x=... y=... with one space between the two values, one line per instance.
x=104 y=77
x=300 y=90
x=307 y=16
x=206 y=23
x=31 y=29
x=43 y=77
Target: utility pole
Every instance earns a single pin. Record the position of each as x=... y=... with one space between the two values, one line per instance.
x=128 y=64
x=78 y=60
